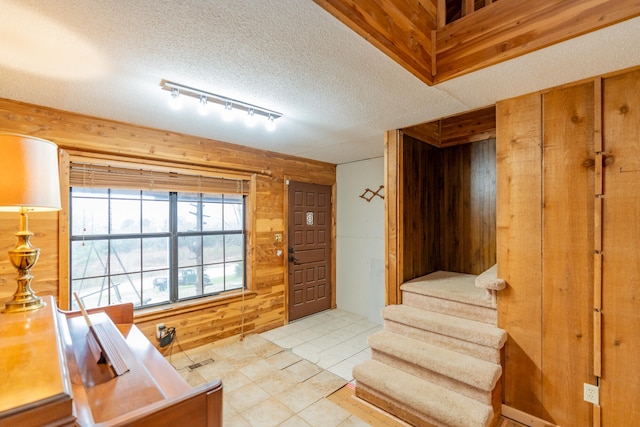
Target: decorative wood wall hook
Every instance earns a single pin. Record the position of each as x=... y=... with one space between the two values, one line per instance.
x=369 y=194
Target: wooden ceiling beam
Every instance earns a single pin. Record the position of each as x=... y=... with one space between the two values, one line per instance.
x=411 y=31
x=402 y=29
x=472 y=126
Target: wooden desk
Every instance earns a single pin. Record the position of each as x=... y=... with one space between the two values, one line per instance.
x=50 y=377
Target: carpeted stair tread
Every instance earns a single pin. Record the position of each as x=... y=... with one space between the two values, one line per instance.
x=463 y=329
x=447 y=407
x=465 y=369
x=449 y=286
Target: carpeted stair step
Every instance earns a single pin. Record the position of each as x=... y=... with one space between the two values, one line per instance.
x=416 y=400
x=464 y=374
x=465 y=336
x=450 y=293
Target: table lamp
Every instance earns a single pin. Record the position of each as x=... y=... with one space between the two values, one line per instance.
x=29 y=182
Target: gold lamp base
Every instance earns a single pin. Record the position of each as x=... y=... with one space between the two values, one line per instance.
x=18 y=304
x=23 y=257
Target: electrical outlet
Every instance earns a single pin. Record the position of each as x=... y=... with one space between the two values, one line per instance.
x=591 y=394
x=278 y=237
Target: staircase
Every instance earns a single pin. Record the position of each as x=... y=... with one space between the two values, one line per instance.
x=437 y=360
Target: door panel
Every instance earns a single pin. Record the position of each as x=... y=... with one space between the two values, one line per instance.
x=309 y=249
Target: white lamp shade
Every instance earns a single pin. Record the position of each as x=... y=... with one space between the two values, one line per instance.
x=28 y=174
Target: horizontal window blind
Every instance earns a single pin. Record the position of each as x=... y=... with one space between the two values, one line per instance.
x=106 y=176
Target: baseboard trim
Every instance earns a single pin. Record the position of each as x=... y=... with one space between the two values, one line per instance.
x=524 y=418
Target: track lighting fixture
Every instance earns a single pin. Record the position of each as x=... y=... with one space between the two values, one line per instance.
x=251 y=118
x=229 y=105
x=227 y=114
x=203 y=109
x=175 y=102
x=271 y=123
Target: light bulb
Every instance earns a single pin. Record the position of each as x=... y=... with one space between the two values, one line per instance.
x=175 y=102
x=203 y=109
x=227 y=114
x=251 y=118
x=271 y=123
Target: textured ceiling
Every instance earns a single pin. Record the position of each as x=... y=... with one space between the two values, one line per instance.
x=337 y=92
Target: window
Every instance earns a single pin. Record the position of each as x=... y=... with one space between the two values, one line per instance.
x=153 y=247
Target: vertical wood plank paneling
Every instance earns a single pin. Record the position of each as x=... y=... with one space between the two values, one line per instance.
x=482 y=206
x=199 y=322
x=420 y=231
x=452 y=211
x=467 y=231
x=519 y=248
x=620 y=383
x=467 y=207
x=567 y=250
x=448 y=208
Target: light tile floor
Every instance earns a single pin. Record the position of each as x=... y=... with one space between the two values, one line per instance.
x=284 y=376
x=335 y=340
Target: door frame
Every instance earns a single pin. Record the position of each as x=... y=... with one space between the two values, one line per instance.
x=332 y=255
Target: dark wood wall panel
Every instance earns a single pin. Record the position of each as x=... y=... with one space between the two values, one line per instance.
x=482 y=206
x=468 y=228
x=449 y=220
x=452 y=210
x=421 y=188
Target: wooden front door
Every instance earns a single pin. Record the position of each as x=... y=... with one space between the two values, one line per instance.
x=309 y=249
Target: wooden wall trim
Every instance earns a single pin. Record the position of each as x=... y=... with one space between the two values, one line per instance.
x=64 y=296
x=597 y=228
x=471 y=126
x=511 y=28
x=334 y=234
x=392 y=217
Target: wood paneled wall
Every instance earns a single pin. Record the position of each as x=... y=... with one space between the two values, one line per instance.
x=620 y=383
x=421 y=206
x=262 y=307
x=468 y=209
x=448 y=208
x=568 y=221
x=519 y=246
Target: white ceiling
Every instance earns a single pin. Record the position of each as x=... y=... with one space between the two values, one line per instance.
x=337 y=92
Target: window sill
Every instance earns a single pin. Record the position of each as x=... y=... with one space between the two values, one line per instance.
x=161 y=312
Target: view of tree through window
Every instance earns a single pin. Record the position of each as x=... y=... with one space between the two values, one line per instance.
x=153 y=248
